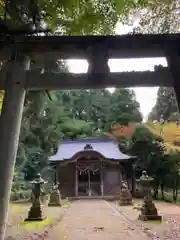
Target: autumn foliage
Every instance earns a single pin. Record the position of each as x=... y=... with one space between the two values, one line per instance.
x=118 y=130
x=170 y=133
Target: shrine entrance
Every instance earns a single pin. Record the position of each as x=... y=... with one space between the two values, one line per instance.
x=91 y=168
x=89 y=183
x=89 y=177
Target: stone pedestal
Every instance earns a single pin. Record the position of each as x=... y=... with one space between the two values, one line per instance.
x=149 y=211
x=125 y=197
x=35 y=213
x=55 y=198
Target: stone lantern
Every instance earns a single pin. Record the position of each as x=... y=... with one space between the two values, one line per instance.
x=35 y=212
x=148 y=209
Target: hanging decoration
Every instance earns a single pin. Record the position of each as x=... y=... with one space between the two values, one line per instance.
x=86 y=168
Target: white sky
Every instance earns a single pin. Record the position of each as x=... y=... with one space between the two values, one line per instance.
x=144 y=95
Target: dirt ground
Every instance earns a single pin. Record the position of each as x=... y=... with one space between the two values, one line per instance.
x=168 y=229
x=93 y=219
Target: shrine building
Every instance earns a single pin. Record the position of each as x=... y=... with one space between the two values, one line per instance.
x=91 y=168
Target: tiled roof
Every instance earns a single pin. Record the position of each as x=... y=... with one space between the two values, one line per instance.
x=107 y=148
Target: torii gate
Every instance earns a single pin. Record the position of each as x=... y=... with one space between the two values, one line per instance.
x=16 y=78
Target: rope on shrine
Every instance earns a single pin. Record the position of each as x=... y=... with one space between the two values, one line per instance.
x=87 y=168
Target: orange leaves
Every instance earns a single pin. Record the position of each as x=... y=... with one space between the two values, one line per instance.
x=118 y=130
x=170 y=133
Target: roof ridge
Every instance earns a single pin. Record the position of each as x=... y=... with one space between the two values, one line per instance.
x=87 y=140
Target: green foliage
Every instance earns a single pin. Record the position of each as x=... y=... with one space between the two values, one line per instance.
x=20 y=195
x=166 y=105
x=124 y=107
x=80 y=17
x=82 y=113
x=148 y=148
x=20 y=189
x=153 y=17
x=174 y=163
x=152 y=156
x=74 y=17
x=124 y=144
x=70 y=114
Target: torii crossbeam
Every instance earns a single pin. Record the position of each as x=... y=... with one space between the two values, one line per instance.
x=78 y=47
x=17 y=77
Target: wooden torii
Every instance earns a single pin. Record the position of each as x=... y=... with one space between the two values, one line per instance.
x=16 y=78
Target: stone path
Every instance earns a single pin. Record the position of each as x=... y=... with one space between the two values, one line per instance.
x=94 y=219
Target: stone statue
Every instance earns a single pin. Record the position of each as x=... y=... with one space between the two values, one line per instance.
x=55 y=196
x=56 y=186
x=125 y=197
x=124 y=185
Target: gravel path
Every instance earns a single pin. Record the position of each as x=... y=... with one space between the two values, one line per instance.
x=168 y=229
x=94 y=219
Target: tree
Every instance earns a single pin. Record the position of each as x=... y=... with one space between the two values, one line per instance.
x=172 y=180
x=47 y=121
x=124 y=107
x=120 y=131
x=153 y=17
x=68 y=114
x=72 y=17
x=166 y=105
x=150 y=152
x=90 y=17
x=44 y=123
x=101 y=107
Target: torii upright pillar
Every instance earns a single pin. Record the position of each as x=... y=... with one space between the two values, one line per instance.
x=10 y=123
x=173 y=60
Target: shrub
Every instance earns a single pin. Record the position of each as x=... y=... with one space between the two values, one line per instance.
x=20 y=195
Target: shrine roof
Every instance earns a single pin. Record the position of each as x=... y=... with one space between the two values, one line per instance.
x=108 y=149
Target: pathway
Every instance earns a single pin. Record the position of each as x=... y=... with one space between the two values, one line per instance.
x=94 y=219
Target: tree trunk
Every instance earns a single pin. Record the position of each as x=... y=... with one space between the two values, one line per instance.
x=175 y=188
x=162 y=191
x=174 y=194
x=155 y=193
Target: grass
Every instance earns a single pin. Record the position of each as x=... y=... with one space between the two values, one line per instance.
x=15 y=208
x=19 y=212
x=39 y=225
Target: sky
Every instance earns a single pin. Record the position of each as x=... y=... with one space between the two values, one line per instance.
x=144 y=95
